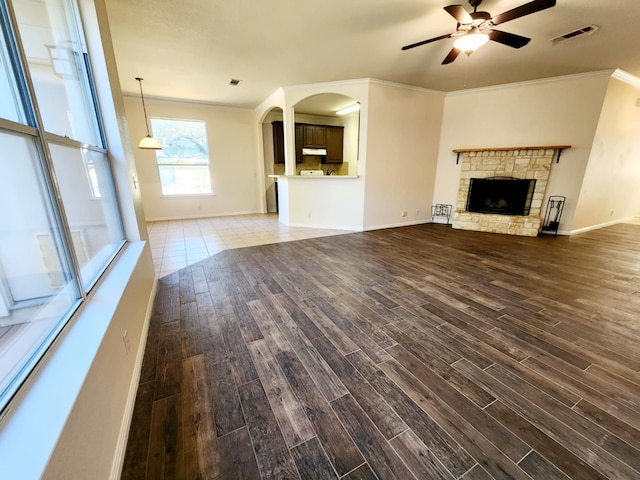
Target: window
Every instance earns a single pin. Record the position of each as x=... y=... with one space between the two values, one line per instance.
x=183 y=162
x=60 y=223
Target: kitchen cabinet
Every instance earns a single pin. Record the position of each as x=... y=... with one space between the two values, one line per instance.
x=314 y=136
x=335 y=142
x=330 y=138
x=299 y=132
x=278 y=142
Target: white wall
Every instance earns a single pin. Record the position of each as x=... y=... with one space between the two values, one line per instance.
x=611 y=187
x=236 y=169
x=403 y=136
x=560 y=111
x=325 y=202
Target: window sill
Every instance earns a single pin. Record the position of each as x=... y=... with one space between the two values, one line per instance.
x=188 y=195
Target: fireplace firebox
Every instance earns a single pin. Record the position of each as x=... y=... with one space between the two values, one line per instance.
x=500 y=195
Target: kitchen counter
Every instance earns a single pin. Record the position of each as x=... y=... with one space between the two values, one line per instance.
x=314 y=177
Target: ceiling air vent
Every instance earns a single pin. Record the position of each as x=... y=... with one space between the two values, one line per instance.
x=234 y=82
x=588 y=30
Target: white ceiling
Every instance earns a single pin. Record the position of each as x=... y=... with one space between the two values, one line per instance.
x=190 y=49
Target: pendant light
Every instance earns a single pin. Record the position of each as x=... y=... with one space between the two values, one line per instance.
x=148 y=142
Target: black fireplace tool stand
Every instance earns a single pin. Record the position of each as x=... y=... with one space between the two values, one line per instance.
x=552 y=215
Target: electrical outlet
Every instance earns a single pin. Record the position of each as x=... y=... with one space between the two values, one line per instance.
x=125 y=339
x=404 y=213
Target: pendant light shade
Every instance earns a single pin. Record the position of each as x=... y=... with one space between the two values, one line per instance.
x=148 y=142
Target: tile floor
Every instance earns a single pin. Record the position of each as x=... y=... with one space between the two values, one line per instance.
x=178 y=243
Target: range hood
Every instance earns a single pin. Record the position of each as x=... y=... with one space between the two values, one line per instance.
x=314 y=151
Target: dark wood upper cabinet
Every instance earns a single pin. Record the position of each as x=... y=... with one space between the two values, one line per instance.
x=299 y=134
x=321 y=137
x=314 y=136
x=335 y=143
x=309 y=136
x=278 y=142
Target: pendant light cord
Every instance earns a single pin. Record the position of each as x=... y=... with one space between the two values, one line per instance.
x=144 y=108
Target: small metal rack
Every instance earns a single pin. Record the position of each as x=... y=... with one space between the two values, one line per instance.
x=552 y=215
x=441 y=210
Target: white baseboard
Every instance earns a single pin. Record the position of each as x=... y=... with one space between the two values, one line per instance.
x=327 y=227
x=600 y=225
x=202 y=215
x=395 y=225
x=121 y=446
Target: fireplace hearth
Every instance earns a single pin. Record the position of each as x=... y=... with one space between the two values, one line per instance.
x=500 y=195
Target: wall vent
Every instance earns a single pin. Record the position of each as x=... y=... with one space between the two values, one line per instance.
x=588 y=30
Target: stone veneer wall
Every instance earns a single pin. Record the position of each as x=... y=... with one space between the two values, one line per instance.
x=530 y=163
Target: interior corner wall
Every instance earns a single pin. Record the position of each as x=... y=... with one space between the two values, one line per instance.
x=611 y=187
x=402 y=148
x=233 y=149
x=559 y=111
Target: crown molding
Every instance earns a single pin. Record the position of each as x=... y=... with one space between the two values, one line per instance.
x=540 y=81
x=363 y=81
x=339 y=83
x=385 y=83
x=626 y=77
x=169 y=100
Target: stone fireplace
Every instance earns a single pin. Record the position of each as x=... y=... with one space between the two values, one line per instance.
x=509 y=185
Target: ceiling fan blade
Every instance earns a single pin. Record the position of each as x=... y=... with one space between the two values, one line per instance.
x=459 y=13
x=522 y=10
x=509 y=39
x=453 y=54
x=424 y=42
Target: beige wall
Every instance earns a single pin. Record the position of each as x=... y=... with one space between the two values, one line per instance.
x=236 y=165
x=611 y=187
x=557 y=111
x=403 y=136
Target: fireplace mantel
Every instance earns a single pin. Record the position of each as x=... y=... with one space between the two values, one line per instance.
x=506 y=149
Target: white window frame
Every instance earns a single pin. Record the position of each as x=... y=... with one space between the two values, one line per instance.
x=182 y=161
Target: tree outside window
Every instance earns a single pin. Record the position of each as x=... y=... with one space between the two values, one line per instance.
x=183 y=162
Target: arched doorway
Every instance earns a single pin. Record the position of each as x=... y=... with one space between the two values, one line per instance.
x=273 y=155
x=326 y=109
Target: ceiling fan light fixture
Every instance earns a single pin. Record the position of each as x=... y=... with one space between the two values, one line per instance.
x=470 y=42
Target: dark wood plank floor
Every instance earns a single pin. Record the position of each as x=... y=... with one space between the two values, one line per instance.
x=419 y=352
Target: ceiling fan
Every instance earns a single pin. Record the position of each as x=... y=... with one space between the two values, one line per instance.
x=476 y=29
